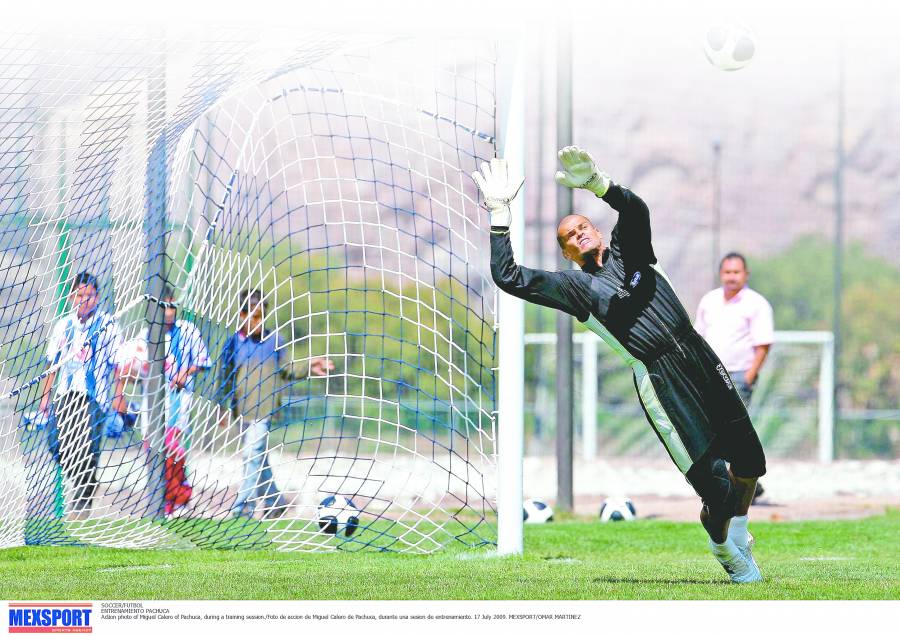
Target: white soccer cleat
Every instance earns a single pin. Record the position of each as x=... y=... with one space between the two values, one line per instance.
x=743 y=541
x=737 y=562
x=738 y=532
x=747 y=553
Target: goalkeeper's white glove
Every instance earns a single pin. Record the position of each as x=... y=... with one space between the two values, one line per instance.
x=579 y=171
x=498 y=190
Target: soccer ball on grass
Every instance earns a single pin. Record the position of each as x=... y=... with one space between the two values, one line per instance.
x=338 y=515
x=534 y=511
x=617 y=509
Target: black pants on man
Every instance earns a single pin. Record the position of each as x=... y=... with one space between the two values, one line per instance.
x=694 y=394
x=74 y=437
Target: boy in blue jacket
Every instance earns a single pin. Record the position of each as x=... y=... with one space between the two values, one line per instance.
x=254 y=366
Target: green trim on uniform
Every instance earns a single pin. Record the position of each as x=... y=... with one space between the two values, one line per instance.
x=662 y=273
x=647 y=394
x=660 y=418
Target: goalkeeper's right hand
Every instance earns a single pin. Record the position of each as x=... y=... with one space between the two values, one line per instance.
x=498 y=190
x=579 y=171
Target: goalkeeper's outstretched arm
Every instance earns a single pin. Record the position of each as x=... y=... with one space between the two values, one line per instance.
x=568 y=291
x=631 y=235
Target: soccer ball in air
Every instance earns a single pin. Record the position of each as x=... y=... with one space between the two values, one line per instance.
x=134 y=359
x=729 y=46
x=617 y=509
x=338 y=515
x=534 y=511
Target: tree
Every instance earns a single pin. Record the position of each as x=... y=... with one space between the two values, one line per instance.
x=799 y=283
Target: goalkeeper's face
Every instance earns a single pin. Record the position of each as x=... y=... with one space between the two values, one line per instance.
x=579 y=239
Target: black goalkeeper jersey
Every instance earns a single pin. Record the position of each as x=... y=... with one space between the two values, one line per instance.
x=629 y=295
x=684 y=389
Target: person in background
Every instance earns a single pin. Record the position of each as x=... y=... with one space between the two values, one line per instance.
x=737 y=323
x=252 y=372
x=83 y=344
x=186 y=355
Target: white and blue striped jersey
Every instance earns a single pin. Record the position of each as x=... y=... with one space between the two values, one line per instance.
x=87 y=352
x=184 y=349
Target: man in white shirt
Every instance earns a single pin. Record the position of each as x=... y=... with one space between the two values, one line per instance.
x=737 y=323
x=83 y=344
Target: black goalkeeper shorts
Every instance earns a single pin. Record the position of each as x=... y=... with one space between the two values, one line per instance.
x=695 y=410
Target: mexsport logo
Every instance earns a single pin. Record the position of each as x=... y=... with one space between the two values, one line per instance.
x=50 y=618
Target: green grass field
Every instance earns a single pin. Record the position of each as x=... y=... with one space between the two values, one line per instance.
x=647 y=559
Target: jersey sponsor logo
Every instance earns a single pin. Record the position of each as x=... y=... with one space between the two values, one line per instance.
x=43 y=618
x=725 y=377
x=622 y=292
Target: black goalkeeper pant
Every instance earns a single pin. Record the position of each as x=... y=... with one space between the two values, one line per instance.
x=696 y=411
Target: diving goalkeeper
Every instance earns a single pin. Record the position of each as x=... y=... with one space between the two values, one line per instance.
x=621 y=294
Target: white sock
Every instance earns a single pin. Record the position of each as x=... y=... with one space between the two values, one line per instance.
x=737 y=530
x=727 y=550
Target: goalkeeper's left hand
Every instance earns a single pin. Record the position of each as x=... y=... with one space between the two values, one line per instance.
x=579 y=171
x=498 y=190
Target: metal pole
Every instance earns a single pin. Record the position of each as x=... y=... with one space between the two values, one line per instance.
x=564 y=379
x=539 y=152
x=511 y=349
x=717 y=210
x=63 y=241
x=63 y=244
x=589 y=396
x=826 y=403
x=838 y=232
x=155 y=230
x=541 y=390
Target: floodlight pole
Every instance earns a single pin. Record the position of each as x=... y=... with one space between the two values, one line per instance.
x=511 y=312
x=717 y=210
x=564 y=358
x=838 y=233
x=540 y=234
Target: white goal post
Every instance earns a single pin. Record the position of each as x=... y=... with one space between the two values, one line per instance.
x=511 y=310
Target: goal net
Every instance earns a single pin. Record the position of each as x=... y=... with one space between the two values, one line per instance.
x=315 y=182
x=791 y=404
